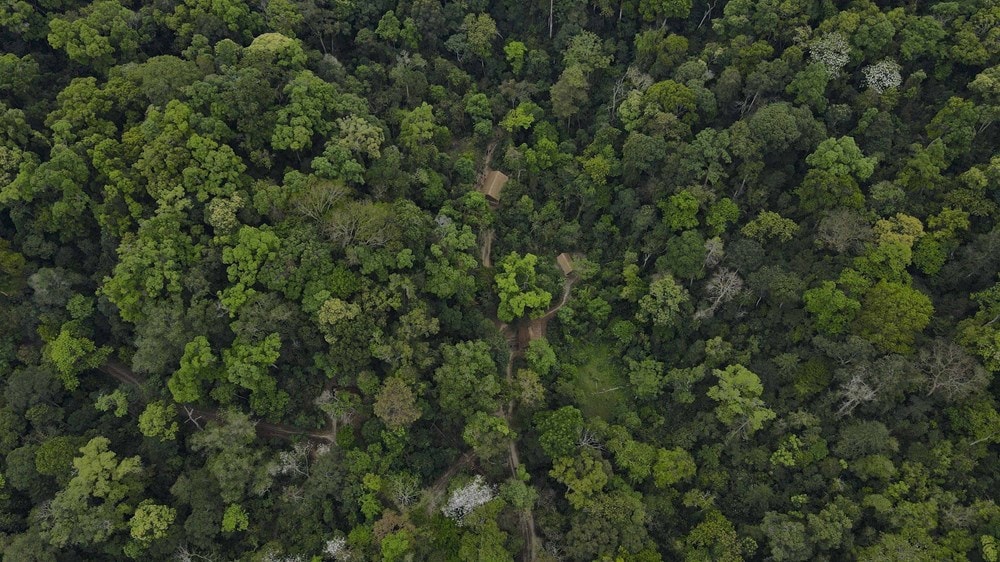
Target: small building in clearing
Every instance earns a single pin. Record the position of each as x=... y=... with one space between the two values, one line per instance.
x=493 y=185
x=565 y=263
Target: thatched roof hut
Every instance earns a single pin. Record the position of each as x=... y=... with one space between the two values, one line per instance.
x=493 y=185
x=565 y=263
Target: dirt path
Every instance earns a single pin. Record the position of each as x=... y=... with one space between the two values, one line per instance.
x=487 y=160
x=436 y=492
x=486 y=248
x=264 y=429
x=567 y=285
x=527 y=522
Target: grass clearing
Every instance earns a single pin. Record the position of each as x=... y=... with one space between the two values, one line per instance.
x=598 y=387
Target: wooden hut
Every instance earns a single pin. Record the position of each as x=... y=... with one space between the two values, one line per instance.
x=565 y=263
x=493 y=185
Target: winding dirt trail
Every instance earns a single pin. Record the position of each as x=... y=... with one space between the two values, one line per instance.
x=264 y=429
x=486 y=247
x=527 y=522
x=567 y=285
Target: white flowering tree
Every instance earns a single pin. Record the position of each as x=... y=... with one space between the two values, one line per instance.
x=882 y=75
x=832 y=51
x=336 y=549
x=467 y=498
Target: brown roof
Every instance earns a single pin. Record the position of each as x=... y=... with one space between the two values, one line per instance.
x=565 y=263
x=493 y=184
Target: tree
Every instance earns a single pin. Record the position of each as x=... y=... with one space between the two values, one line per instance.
x=882 y=75
x=836 y=167
x=832 y=51
x=809 y=86
x=151 y=521
x=517 y=286
x=540 y=356
x=464 y=499
x=100 y=32
x=158 y=421
x=235 y=519
x=722 y=287
x=237 y=468
x=467 y=379
x=94 y=504
x=672 y=466
x=665 y=303
x=197 y=365
x=833 y=309
x=584 y=476
x=586 y=50
x=521 y=117
x=951 y=371
x=54 y=457
x=515 y=51
x=664 y=107
x=214 y=20
x=474 y=38
x=684 y=255
x=714 y=538
x=72 y=354
x=645 y=377
x=655 y=10
x=559 y=431
x=311 y=103
x=396 y=405
x=246 y=366
x=769 y=224
x=843 y=230
x=982 y=332
x=787 y=536
x=891 y=316
x=738 y=393
x=634 y=457
x=417 y=131
x=570 y=92
x=488 y=435
x=680 y=210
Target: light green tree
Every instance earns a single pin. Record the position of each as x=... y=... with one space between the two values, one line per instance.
x=72 y=354
x=769 y=224
x=151 y=521
x=235 y=519
x=94 y=505
x=517 y=285
x=198 y=365
x=672 y=466
x=159 y=421
x=101 y=32
x=740 y=407
x=833 y=309
x=892 y=315
x=559 y=431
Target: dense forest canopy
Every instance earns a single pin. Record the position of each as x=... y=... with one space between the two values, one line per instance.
x=257 y=306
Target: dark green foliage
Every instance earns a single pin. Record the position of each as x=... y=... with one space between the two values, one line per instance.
x=255 y=304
